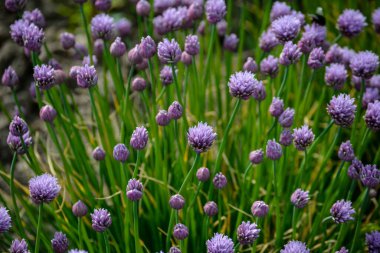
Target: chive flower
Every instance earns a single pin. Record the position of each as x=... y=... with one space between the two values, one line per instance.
x=35 y=16
x=166 y=75
x=351 y=23
x=279 y=9
x=33 y=37
x=295 y=246
x=231 y=42
x=273 y=150
x=269 y=66
x=192 y=44
x=370 y=176
x=342 y=211
x=15 y=5
x=210 y=208
x=290 y=54
x=175 y=110
x=364 y=64
x=143 y=8
x=48 y=113
x=268 y=41
x=316 y=58
x=120 y=153
x=372 y=240
x=256 y=156
x=250 y=65
x=162 y=118
x=10 y=78
x=241 y=85
x=259 y=209
x=300 y=198
x=147 y=47
x=286 y=28
x=220 y=243
x=336 y=75
x=19 y=246
x=139 y=138
x=219 y=181
x=102 y=27
x=303 y=137
x=86 y=76
x=118 y=48
x=101 y=220
x=180 y=231
x=201 y=137
x=342 y=110
x=169 y=51
x=259 y=92
x=44 y=76
x=203 y=174
x=67 y=40
x=334 y=54
x=354 y=170
x=342 y=250
x=346 y=151
x=286 y=138
x=15 y=143
x=79 y=209
x=286 y=118
x=177 y=202
x=138 y=84
x=60 y=243
x=5 y=220
x=215 y=10
x=276 y=108
x=98 y=154
x=43 y=188
x=134 y=190
x=18 y=126
x=247 y=233
x=372 y=116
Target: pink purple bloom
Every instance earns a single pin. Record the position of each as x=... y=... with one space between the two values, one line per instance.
x=364 y=64
x=342 y=211
x=351 y=22
x=35 y=16
x=147 y=47
x=177 y=202
x=9 y=78
x=215 y=10
x=286 y=118
x=290 y=54
x=192 y=45
x=286 y=28
x=79 y=209
x=256 y=156
x=220 y=243
x=269 y=66
x=219 y=181
x=346 y=152
x=180 y=231
x=276 y=108
x=231 y=42
x=87 y=76
x=268 y=41
x=203 y=174
x=336 y=75
x=372 y=116
x=5 y=220
x=247 y=233
x=102 y=27
x=44 y=76
x=18 y=126
x=162 y=118
x=300 y=198
x=259 y=209
x=210 y=208
x=342 y=110
x=169 y=51
x=274 y=150
x=372 y=240
x=139 y=138
x=376 y=20
x=60 y=243
x=19 y=246
x=295 y=247
x=120 y=153
x=201 y=137
x=134 y=190
x=286 y=138
x=279 y=9
x=241 y=85
x=250 y=65
x=101 y=220
x=43 y=188
x=303 y=137
x=316 y=58
x=175 y=110
x=370 y=176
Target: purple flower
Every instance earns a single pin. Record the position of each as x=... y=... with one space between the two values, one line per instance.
x=286 y=28
x=256 y=156
x=120 y=153
x=274 y=150
x=201 y=137
x=86 y=76
x=269 y=66
x=180 y=231
x=175 y=110
x=250 y=65
x=134 y=190
x=60 y=243
x=5 y=220
x=241 y=85
x=364 y=64
x=98 y=154
x=303 y=137
x=161 y=5
x=186 y=58
x=300 y=198
x=177 y=202
x=134 y=55
x=77 y=250
x=276 y=108
x=231 y=42
x=67 y=40
x=314 y=36
x=355 y=169
x=376 y=20
x=101 y=220
x=174 y=250
x=123 y=27
x=268 y=41
x=143 y=8
x=169 y=51
x=18 y=246
x=370 y=176
x=79 y=209
x=32 y=37
x=373 y=241
x=259 y=209
x=286 y=118
x=48 y=113
x=290 y=54
x=210 y=208
x=370 y=96
x=346 y=152
x=102 y=27
x=118 y=48
x=195 y=10
x=342 y=110
x=18 y=126
x=372 y=116
x=215 y=10
x=342 y=250
x=162 y=118
x=259 y=92
x=375 y=81
x=342 y=211
x=247 y=233
x=138 y=84
x=103 y=5
x=166 y=75
x=139 y=138
x=279 y=9
x=35 y=16
x=15 y=143
x=295 y=247
x=203 y=174
x=192 y=45
x=334 y=54
x=351 y=23
x=336 y=76
x=10 y=78
x=316 y=58
x=220 y=243
x=43 y=188
x=17 y=31
x=219 y=181
x=286 y=138
x=147 y=47
x=15 y=5
x=347 y=55
x=44 y=76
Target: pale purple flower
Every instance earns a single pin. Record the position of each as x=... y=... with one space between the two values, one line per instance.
x=269 y=66
x=186 y=58
x=139 y=138
x=303 y=137
x=18 y=126
x=316 y=58
x=342 y=250
x=48 y=113
x=201 y=137
x=174 y=250
x=336 y=76
x=273 y=150
x=259 y=209
x=177 y=202
x=120 y=153
x=35 y=16
x=346 y=152
x=143 y=8
x=102 y=27
x=342 y=110
x=9 y=78
x=33 y=37
x=286 y=138
x=15 y=143
x=241 y=85
x=259 y=92
x=372 y=116
x=370 y=176
x=118 y=48
x=43 y=188
x=295 y=247
x=268 y=41
x=210 y=208
x=287 y=117
x=101 y=220
x=19 y=246
x=370 y=96
x=231 y=42
x=314 y=36
x=162 y=118
x=79 y=209
x=60 y=243
x=342 y=211
x=250 y=65
x=98 y=154
x=219 y=181
x=17 y=30
x=276 y=108
x=279 y=9
x=376 y=20
x=347 y=55
x=87 y=76
x=215 y=10
x=290 y=54
x=203 y=174
x=195 y=10
x=5 y=220
x=247 y=233
x=169 y=51
x=103 y=5
x=372 y=240
x=180 y=231
x=123 y=27
x=220 y=243
x=44 y=76
x=175 y=110
x=134 y=190
x=334 y=54
x=375 y=81
x=15 y=5
x=355 y=169
x=351 y=23
x=134 y=55
x=192 y=45
x=138 y=84
x=286 y=28
x=166 y=75
x=364 y=64
x=256 y=156
x=67 y=40
x=147 y=47
x=300 y=198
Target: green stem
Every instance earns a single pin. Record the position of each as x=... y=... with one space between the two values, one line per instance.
x=277 y=205
x=106 y=242
x=136 y=226
x=337 y=38
x=136 y=170
x=359 y=220
x=88 y=36
x=19 y=108
x=282 y=87
x=37 y=246
x=294 y=223
x=358 y=112
x=209 y=52
x=306 y=95
x=79 y=233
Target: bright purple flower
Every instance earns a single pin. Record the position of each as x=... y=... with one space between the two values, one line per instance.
x=215 y=10
x=286 y=118
x=274 y=150
x=372 y=240
x=241 y=85
x=259 y=92
x=169 y=51
x=355 y=169
x=43 y=188
x=166 y=75
x=177 y=202
x=300 y=198
x=303 y=137
x=15 y=5
x=219 y=181
x=17 y=31
x=143 y=8
x=269 y=66
x=35 y=16
x=123 y=27
x=48 y=113
x=134 y=190
x=102 y=27
x=103 y=5
x=18 y=126
x=138 y=84
x=231 y=42
x=342 y=110
x=336 y=76
x=5 y=220
x=15 y=143
x=351 y=23
x=268 y=41
x=372 y=116
x=247 y=233
x=201 y=137
x=370 y=176
x=334 y=54
x=10 y=78
x=220 y=243
x=79 y=209
x=118 y=48
x=18 y=246
x=290 y=54
x=346 y=152
x=101 y=220
x=44 y=76
x=295 y=247
x=203 y=174
x=162 y=118
x=60 y=243
x=175 y=110
x=316 y=58
x=86 y=76
x=342 y=211
x=259 y=209
x=98 y=154
x=250 y=65
x=314 y=36
x=364 y=64
x=376 y=20
x=276 y=108
x=210 y=208
x=286 y=28
x=342 y=250
x=286 y=138
x=33 y=37
x=180 y=232
x=147 y=47
x=139 y=138
x=370 y=96
x=192 y=45
x=120 y=153
x=256 y=156
x=279 y=9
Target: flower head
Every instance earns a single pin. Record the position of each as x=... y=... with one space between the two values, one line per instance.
x=180 y=231
x=48 y=113
x=9 y=78
x=16 y=145
x=286 y=28
x=60 y=243
x=347 y=55
x=354 y=170
x=17 y=29
x=259 y=209
x=276 y=108
x=316 y=58
x=87 y=76
x=334 y=54
x=163 y=118
x=215 y=10
x=241 y=85
x=102 y=27
x=373 y=241
x=35 y=16
x=342 y=110
x=342 y=250
x=123 y=27
x=279 y=9
x=18 y=126
x=192 y=45
x=5 y=220
x=268 y=41
x=138 y=84
x=259 y=92
x=256 y=156
x=351 y=23
x=342 y=211
x=295 y=247
x=98 y=154
x=247 y=233
x=303 y=137
x=250 y=65
x=143 y=8
x=177 y=202
x=120 y=153
x=336 y=75
x=166 y=75
x=175 y=110
x=314 y=36
x=44 y=76
x=370 y=176
x=364 y=64
x=101 y=220
x=67 y=40
x=103 y=5
x=346 y=151
x=79 y=209
x=376 y=20
x=219 y=181
x=139 y=138
x=201 y=137
x=210 y=208
x=300 y=198
x=286 y=118
x=274 y=150
x=147 y=47
x=231 y=42
x=203 y=174
x=43 y=188
x=134 y=190
x=33 y=37
x=169 y=51
x=290 y=54
x=372 y=116
x=269 y=66
x=118 y=48
x=174 y=250
x=15 y=5
x=18 y=246
x=220 y=243
x=286 y=137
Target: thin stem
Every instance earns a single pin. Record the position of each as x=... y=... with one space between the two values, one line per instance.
x=88 y=36
x=179 y=97
x=37 y=246
x=136 y=170
x=19 y=108
x=106 y=242
x=276 y=200
x=320 y=136
x=358 y=111
x=209 y=52
x=280 y=91
x=161 y=94
x=359 y=220
x=294 y=223
x=79 y=233
x=136 y=226
x=337 y=38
